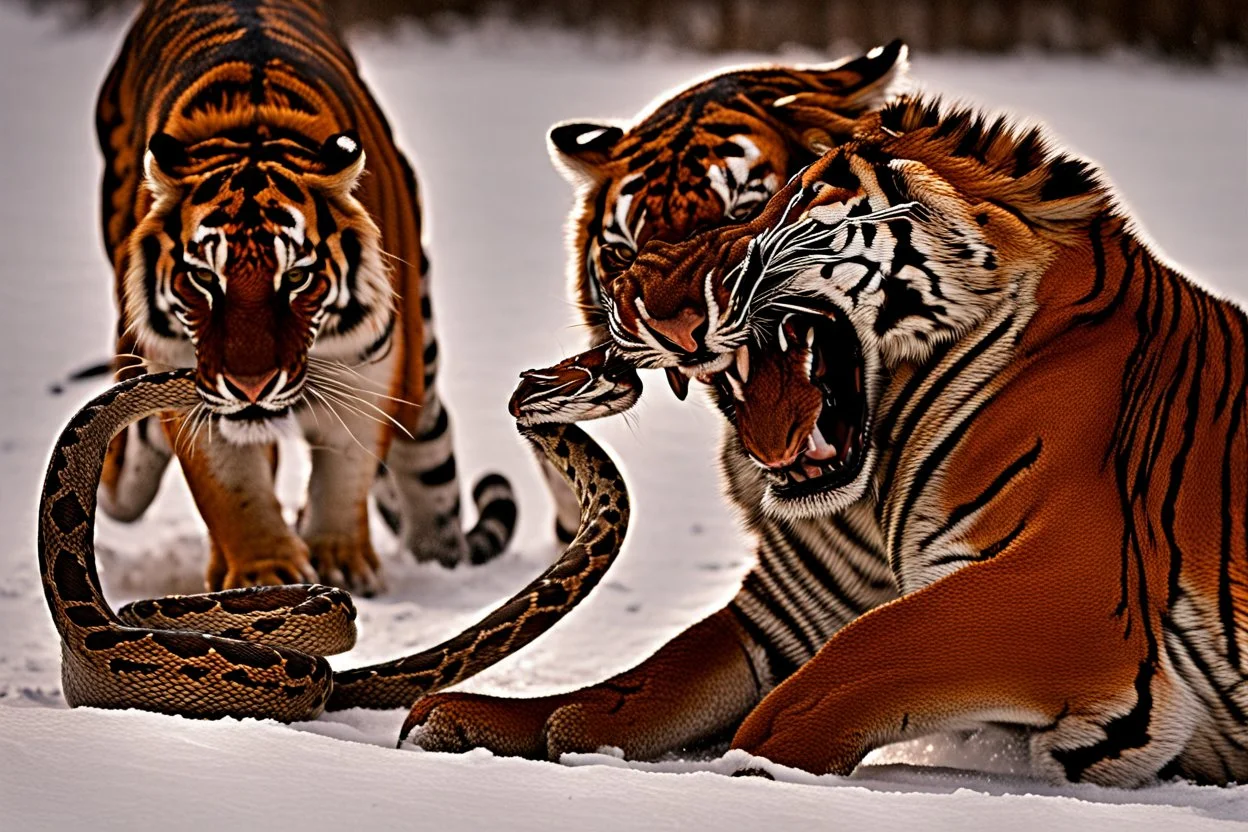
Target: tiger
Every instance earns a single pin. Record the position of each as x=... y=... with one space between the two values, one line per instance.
x=709 y=153
x=954 y=314
x=251 y=241
x=707 y=156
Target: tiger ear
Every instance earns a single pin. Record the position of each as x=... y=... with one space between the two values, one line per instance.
x=580 y=149
x=164 y=156
x=835 y=95
x=342 y=162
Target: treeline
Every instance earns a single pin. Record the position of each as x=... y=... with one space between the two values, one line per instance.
x=1199 y=30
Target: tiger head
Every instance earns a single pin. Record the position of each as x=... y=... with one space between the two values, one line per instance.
x=930 y=224
x=254 y=255
x=704 y=156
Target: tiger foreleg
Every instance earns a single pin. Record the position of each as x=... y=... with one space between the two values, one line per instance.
x=233 y=487
x=334 y=522
x=999 y=641
x=695 y=688
x=133 y=468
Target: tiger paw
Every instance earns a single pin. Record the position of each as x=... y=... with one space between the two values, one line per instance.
x=544 y=728
x=346 y=562
x=459 y=722
x=284 y=561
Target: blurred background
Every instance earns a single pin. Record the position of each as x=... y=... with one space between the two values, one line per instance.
x=1195 y=30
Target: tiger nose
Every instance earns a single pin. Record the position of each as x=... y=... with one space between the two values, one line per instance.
x=680 y=329
x=250 y=387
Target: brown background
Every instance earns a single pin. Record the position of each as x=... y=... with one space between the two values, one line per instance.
x=1189 y=30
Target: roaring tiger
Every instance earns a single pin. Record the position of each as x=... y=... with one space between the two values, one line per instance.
x=708 y=154
x=952 y=315
x=249 y=243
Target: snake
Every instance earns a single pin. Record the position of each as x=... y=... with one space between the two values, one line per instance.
x=260 y=651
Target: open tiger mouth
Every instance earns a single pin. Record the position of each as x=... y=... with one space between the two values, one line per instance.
x=836 y=447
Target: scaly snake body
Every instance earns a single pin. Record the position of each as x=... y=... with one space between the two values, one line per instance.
x=257 y=652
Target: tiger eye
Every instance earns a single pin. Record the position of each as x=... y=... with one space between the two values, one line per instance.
x=616 y=257
x=295 y=278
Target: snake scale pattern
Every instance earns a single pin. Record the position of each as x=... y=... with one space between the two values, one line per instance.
x=259 y=652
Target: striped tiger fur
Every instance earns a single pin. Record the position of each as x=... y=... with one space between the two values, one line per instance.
x=249 y=243
x=705 y=157
x=707 y=154
x=955 y=317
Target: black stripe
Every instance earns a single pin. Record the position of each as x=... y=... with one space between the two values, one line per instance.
x=779 y=666
x=930 y=464
x=439 y=426
x=934 y=390
x=1178 y=465
x=1226 y=603
x=774 y=608
x=987 y=553
x=1121 y=733
x=838 y=524
x=1098 y=260
x=156 y=319
x=824 y=578
x=1224 y=696
x=441 y=474
x=1224 y=330
x=798 y=592
x=984 y=497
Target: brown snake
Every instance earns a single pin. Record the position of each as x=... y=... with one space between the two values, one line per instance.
x=257 y=652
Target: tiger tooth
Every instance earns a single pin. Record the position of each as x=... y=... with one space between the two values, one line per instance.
x=737 y=390
x=679 y=382
x=820 y=448
x=743 y=363
x=784 y=342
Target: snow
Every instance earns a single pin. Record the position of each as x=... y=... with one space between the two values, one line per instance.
x=473 y=109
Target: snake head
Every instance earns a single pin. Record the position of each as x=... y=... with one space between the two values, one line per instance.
x=590 y=385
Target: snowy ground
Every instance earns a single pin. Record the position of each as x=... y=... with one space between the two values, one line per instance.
x=473 y=110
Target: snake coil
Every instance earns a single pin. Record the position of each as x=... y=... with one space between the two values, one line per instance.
x=259 y=652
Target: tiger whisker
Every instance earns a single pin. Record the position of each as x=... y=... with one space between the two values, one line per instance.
x=324 y=375
x=129 y=330
x=341 y=391
x=188 y=420
x=334 y=412
x=396 y=258
x=201 y=419
x=340 y=384
x=631 y=422
x=338 y=399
